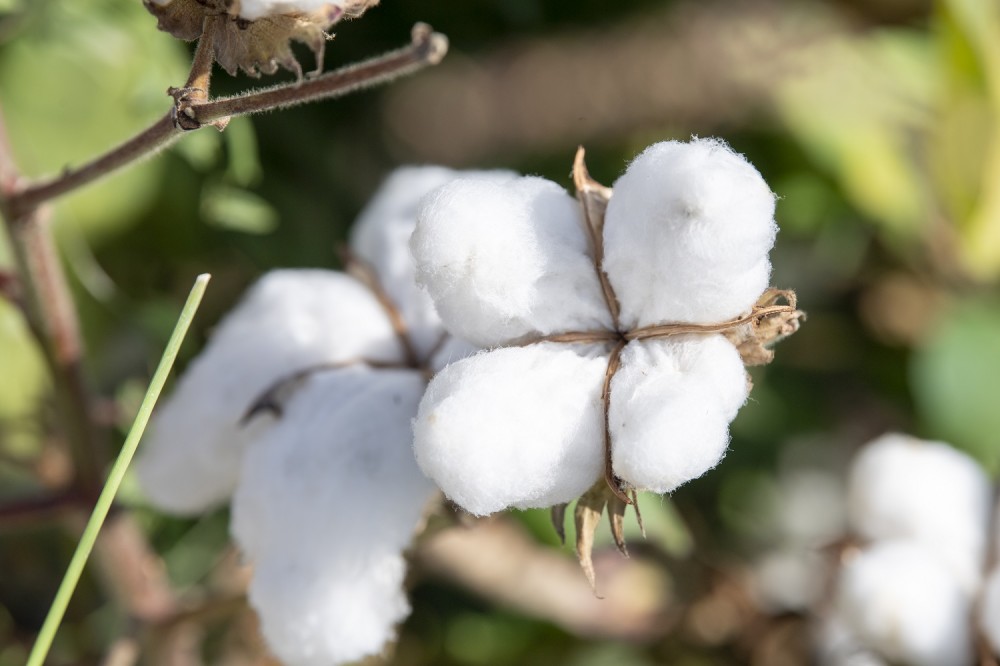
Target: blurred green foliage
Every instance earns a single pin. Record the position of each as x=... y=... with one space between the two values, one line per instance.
x=882 y=139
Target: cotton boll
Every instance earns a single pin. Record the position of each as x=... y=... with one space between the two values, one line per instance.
x=451 y=350
x=899 y=599
x=687 y=234
x=671 y=404
x=503 y=260
x=289 y=320
x=381 y=237
x=327 y=501
x=989 y=610
x=519 y=426
x=334 y=613
x=335 y=478
x=902 y=487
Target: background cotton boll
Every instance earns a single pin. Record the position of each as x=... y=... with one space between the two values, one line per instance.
x=335 y=476
x=900 y=600
x=900 y=486
x=687 y=234
x=518 y=426
x=381 y=236
x=323 y=614
x=289 y=320
x=671 y=404
x=507 y=259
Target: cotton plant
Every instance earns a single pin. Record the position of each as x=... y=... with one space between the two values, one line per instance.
x=618 y=328
x=298 y=412
x=906 y=593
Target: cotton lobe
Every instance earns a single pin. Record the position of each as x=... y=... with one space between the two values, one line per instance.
x=902 y=487
x=328 y=499
x=686 y=238
x=900 y=599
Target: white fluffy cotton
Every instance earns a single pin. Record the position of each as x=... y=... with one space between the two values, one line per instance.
x=381 y=237
x=671 y=404
x=328 y=498
x=520 y=426
x=902 y=487
x=255 y=9
x=687 y=234
x=900 y=599
x=289 y=320
x=504 y=260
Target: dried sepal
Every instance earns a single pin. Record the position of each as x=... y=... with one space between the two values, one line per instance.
x=255 y=46
x=616 y=520
x=587 y=517
x=558 y=516
x=776 y=322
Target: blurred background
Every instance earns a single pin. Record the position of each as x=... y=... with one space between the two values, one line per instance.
x=877 y=122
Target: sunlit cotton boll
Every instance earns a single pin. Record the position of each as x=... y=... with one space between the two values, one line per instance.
x=687 y=234
x=290 y=320
x=902 y=487
x=381 y=236
x=671 y=404
x=504 y=260
x=902 y=601
x=328 y=499
x=516 y=427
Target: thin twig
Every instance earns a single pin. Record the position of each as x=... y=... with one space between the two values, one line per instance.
x=427 y=48
x=30 y=510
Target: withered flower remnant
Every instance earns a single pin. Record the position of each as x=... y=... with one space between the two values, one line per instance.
x=255 y=35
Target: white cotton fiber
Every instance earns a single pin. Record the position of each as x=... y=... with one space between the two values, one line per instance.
x=519 y=426
x=255 y=9
x=902 y=487
x=381 y=237
x=671 y=404
x=328 y=499
x=989 y=610
x=504 y=260
x=899 y=599
x=687 y=234
x=290 y=320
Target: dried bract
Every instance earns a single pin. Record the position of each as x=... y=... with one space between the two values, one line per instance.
x=255 y=35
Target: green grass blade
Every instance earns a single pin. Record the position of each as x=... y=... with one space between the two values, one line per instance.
x=44 y=641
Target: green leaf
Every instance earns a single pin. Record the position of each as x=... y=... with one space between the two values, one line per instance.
x=954 y=380
x=236 y=209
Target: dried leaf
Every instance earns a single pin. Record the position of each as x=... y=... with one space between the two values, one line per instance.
x=754 y=339
x=616 y=519
x=558 y=515
x=587 y=517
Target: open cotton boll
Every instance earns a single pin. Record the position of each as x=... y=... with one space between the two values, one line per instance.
x=503 y=260
x=381 y=236
x=288 y=321
x=516 y=427
x=324 y=615
x=902 y=487
x=687 y=234
x=989 y=610
x=671 y=404
x=901 y=600
x=327 y=501
x=335 y=477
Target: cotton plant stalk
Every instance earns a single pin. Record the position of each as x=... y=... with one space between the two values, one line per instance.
x=618 y=325
x=298 y=413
